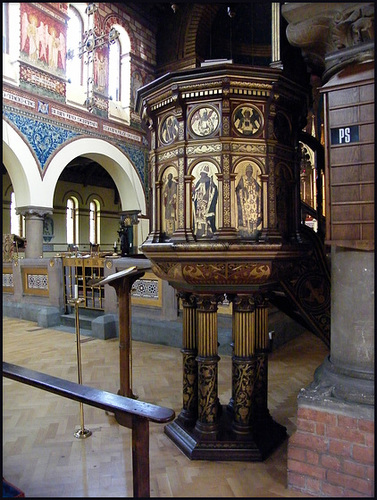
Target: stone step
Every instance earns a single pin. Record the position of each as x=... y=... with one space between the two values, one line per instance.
x=85 y=320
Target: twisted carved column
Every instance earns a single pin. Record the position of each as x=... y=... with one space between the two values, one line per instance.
x=189 y=411
x=208 y=402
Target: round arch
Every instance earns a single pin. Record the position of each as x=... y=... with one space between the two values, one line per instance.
x=115 y=162
x=22 y=168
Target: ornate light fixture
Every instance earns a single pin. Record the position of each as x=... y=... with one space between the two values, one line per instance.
x=91 y=42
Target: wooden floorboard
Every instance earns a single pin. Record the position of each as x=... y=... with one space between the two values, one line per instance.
x=43 y=458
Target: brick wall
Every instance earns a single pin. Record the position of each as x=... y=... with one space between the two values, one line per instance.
x=331 y=455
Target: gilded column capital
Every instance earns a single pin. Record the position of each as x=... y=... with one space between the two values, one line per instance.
x=331 y=35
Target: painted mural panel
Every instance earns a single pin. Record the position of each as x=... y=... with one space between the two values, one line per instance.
x=249 y=199
x=42 y=39
x=204 y=199
x=204 y=121
x=169 y=201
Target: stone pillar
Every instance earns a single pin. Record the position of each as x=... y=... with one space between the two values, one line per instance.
x=208 y=402
x=189 y=411
x=34 y=217
x=332 y=452
x=350 y=367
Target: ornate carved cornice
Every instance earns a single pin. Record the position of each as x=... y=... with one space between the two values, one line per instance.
x=331 y=35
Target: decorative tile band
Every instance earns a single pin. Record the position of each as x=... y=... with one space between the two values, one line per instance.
x=145 y=289
x=37 y=281
x=8 y=280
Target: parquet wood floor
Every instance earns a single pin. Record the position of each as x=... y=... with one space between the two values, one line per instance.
x=43 y=458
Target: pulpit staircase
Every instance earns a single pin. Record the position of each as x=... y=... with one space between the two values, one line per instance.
x=305 y=296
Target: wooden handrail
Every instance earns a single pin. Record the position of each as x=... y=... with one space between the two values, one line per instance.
x=128 y=412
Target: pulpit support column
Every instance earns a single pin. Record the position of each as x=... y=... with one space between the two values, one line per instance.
x=243 y=362
x=208 y=401
x=189 y=411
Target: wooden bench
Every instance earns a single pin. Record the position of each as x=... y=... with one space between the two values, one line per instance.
x=128 y=412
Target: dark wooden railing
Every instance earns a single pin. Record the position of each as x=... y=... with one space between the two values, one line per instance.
x=128 y=412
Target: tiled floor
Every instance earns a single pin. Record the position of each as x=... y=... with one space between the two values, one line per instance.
x=43 y=458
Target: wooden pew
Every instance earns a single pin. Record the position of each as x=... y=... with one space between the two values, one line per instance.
x=128 y=412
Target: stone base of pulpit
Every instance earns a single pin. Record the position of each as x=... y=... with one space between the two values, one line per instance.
x=226 y=444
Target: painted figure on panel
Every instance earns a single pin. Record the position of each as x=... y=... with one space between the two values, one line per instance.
x=205 y=195
x=29 y=33
x=42 y=40
x=100 y=71
x=136 y=83
x=169 y=199
x=169 y=129
x=249 y=203
x=204 y=121
x=43 y=36
x=247 y=120
x=53 y=48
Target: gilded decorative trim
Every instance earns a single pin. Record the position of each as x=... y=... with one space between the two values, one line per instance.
x=249 y=148
x=226 y=273
x=203 y=149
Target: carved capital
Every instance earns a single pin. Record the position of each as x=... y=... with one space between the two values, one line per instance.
x=34 y=212
x=331 y=35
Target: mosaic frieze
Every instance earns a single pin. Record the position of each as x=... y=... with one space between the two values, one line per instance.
x=41 y=83
x=137 y=157
x=43 y=137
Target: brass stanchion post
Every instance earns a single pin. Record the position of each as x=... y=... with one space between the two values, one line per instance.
x=81 y=433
